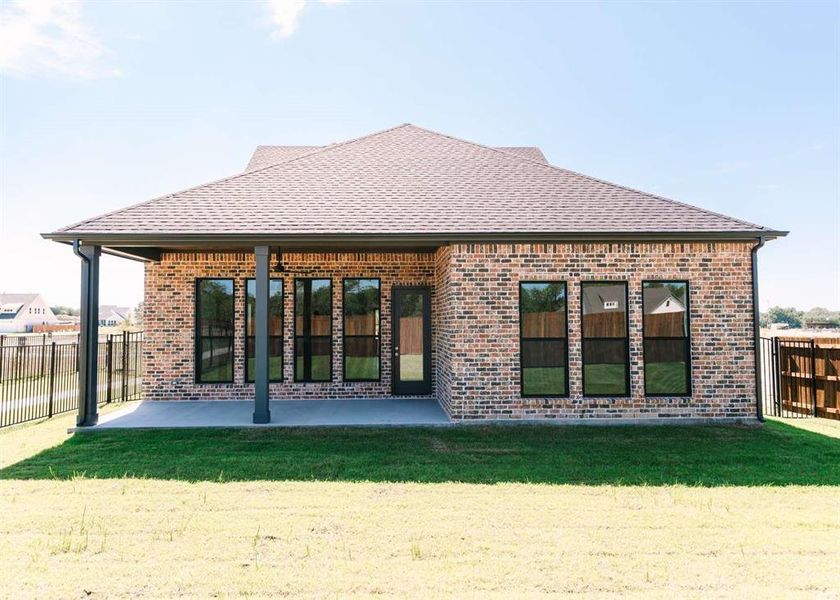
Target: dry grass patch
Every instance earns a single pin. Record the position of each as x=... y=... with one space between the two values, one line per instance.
x=169 y=539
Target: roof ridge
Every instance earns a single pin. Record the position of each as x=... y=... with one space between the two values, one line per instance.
x=602 y=181
x=232 y=177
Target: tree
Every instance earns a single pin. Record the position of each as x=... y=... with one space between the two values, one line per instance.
x=138 y=315
x=819 y=314
x=777 y=314
x=65 y=310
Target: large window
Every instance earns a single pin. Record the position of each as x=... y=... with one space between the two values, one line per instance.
x=313 y=330
x=275 y=329
x=543 y=340
x=361 y=329
x=665 y=330
x=606 y=369
x=214 y=330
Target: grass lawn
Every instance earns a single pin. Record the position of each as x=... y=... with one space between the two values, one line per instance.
x=665 y=377
x=223 y=372
x=469 y=512
x=275 y=368
x=605 y=379
x=361 y=367
x=411 y=367
x=320 y=368
x=544 y=381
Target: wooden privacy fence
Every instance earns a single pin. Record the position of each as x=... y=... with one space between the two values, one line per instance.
x=801 y=377
x=411 y=335
x=544 y=325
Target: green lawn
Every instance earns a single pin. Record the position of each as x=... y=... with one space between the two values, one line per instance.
x=320 y=368
x=361 y=367
x=411 y=367
x=544 y=381
x=223 y=372
x=275 y=368
x=605 y=379
x=776 y=454
x=665 y=378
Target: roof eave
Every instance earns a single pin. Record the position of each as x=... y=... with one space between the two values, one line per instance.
x=190 y=240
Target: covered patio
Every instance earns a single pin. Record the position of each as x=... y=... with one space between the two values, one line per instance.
x=394 y=412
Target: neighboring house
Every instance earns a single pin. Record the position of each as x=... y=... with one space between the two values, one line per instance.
x=408 y=262
x=110 y=315
x=19 y=313
x=605 y=298
x=661 y=300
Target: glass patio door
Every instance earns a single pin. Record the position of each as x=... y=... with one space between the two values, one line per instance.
x=411 y=366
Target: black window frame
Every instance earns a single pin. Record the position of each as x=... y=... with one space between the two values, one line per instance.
x=270 y=337
x=197 y=358
x=686 y=338
x=344 y=335
x=307 y=304
x=522 y=338
x=583 y=338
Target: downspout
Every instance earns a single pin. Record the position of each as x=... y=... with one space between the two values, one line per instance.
x=76 y=245
x=759 y=409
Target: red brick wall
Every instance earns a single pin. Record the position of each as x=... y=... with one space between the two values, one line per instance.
x=170 y=316
x=484 y=332
x=475 y=324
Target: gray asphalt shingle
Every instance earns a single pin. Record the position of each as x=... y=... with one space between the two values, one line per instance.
x=406 y=180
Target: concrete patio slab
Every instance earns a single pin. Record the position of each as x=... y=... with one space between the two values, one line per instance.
x=284 y=413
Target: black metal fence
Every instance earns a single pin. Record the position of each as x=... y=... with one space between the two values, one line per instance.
x=38 y=381
x=799 y=378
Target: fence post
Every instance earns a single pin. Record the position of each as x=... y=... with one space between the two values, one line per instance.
x=814 y=374
x=777 y=379
x=2 y=345
x=109 y=361
x=124 y=366
x=52 y=378
x=43 y=353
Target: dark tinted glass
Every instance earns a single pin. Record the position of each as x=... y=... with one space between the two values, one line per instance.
x=604 y=309
x=605 y=367
x=542 y=314
x=361 y=358
x=361 y=329
x=666 y=344
x=666 y=366
x=544 y=367
x=313 y=329
x=275 y=329
x=605 y=361
x=543 y=308
x=214 y=330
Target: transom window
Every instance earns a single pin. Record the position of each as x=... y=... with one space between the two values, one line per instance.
x=606 y=368
x=666 y=338
x=361 y=308
x=275 y=329
x=313 y=330
x=543 y=340
x=214 y=330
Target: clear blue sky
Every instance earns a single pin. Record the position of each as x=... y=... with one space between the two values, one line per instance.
x=730 y=106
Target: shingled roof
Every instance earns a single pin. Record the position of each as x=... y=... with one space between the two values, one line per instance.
x=265 y=156
x=406 y=181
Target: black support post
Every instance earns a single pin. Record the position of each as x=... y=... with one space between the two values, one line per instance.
x=88 y=334
x=261 y=411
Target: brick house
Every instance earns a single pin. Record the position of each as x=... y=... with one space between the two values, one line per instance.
x=410 y=263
